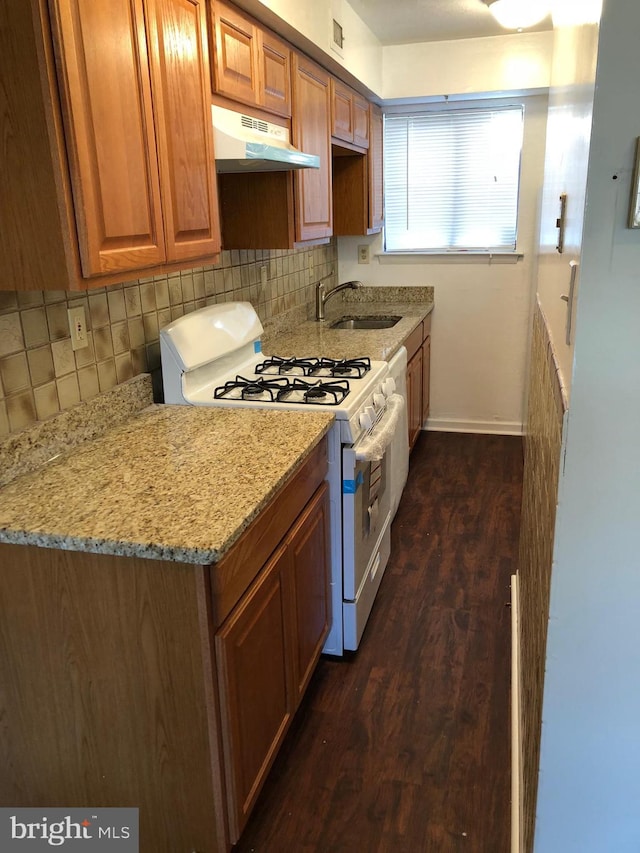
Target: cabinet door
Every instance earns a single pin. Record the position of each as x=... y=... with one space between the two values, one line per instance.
x=275 y=74
x=310 y=550
x=103 y=68
x=414 y=396
x=426 y=368
x=256 y=696
x=376 y=201
x=311 y=133
x=180 y=77
x=236 y=55
x=341 y=111
x=360 y=121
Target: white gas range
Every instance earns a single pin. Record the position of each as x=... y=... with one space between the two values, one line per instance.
x=213 y=357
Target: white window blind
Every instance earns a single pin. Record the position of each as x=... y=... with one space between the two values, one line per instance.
x=451 y=180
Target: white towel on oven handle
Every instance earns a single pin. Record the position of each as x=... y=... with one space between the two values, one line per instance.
x=373 y=446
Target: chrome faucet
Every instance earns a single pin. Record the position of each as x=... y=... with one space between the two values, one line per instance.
x=321 y=296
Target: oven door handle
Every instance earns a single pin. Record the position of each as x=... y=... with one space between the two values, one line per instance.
x=374 y=444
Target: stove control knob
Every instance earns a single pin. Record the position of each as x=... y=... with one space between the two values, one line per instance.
x=369 y=410
x=389 y=386
x=379 y=401
x=365 y=420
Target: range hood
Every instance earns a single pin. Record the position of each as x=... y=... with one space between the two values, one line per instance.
x=246 y=144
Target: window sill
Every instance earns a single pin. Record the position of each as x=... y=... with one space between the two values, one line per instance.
x=449 y=257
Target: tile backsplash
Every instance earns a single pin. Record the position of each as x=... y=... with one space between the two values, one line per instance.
x=40 y=374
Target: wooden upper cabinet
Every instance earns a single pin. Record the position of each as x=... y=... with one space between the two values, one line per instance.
x=357 y=183
x=311 y=134
x=250 y=64
x=125 y=170
x=341 y=111
x=376 y=199
x=274 y=62
x=349 y=115
x=360 y=121
x=235 y=60
x=109 y=125
x=180 y=76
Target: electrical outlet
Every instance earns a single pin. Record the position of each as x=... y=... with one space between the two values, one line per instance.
x=78 y=328
x=263 y=275
x=363 y=254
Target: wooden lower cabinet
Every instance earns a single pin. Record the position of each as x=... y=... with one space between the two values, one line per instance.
x=426 y=376
x=414 y=396
x=309 y=551
x=107 y=695
x=266 y=652
x=418 y=346
x=256 y=701
x=132 y=691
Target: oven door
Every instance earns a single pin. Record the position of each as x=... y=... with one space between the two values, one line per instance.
x=366 y=521
x=366 y=506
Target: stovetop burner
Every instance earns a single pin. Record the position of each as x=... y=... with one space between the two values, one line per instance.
x=348 y=367
x=277 y=364
x=322 y=393
x=251 y=389
x=356 y=367
x=284 y=390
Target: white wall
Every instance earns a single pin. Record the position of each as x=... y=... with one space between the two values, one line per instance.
x=589 y=795
x=362 y=53
x=480 y=328
x=566 y=159
x=481 y=317
x=513 y=62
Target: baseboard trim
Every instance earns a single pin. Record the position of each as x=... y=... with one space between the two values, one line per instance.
x=481 y=427
x=516 y=730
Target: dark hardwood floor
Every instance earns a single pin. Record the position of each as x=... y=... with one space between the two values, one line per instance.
x=405 y=745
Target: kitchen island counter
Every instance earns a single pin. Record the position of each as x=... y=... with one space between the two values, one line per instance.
x=172 y=483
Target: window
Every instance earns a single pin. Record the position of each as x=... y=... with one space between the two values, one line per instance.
x=451 y=180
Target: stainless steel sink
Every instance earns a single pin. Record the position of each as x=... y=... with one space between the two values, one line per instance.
x=375 y=322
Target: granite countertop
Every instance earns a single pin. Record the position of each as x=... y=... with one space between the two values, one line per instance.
x=191 y=480
x=313 y=338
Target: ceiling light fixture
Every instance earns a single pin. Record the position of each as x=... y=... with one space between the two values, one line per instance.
x=518 y=14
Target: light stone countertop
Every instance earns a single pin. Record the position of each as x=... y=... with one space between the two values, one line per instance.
x=172 y=483
x=179 y=482
x=313 y=338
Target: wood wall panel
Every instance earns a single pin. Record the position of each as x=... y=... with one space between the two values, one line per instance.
x=543 y=442
x=87 y=642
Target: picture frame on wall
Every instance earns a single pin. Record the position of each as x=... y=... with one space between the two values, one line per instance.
x=634 y=201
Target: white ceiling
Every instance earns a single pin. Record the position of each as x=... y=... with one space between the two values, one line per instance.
x=403 y=21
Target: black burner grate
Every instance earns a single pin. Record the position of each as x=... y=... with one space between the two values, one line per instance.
x=353 y=367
